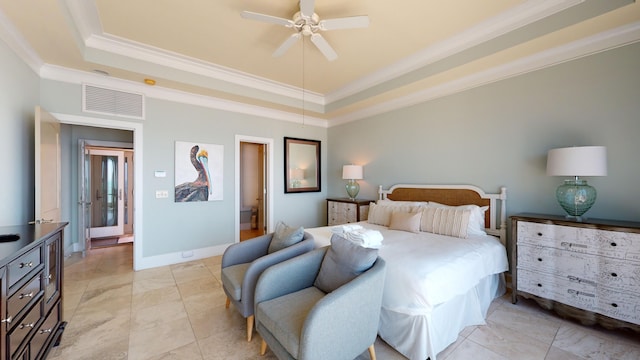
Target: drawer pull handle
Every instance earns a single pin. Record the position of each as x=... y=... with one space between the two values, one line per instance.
x=22 y=296
x=45 y=331
x=614 y=305
x=539 y=234
x=614 y=244
x=539 y=259
x=22 y=326
x=572 y=245
x=539 y=285
x=578 y=293
x=580 y=280
x=7 y=320
x=29 y=264
x=614 y=274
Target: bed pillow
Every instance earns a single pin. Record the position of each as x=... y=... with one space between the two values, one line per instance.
x=381 y=214
x=406 y=221
x=388 y=202
x=343 y=261
x=285 y=236
x=446 y=221
x=476 y=222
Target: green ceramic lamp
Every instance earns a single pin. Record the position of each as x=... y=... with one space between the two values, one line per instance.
x=576 y=196
x=352 y=173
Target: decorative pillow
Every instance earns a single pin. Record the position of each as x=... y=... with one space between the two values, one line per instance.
x=476 y=222
x=285 y=236
x=446 y=221
x=343 y=261
x=381 y=214
x=406 y=221
x=388 y=202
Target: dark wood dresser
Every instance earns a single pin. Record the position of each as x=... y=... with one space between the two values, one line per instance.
x=31 y=276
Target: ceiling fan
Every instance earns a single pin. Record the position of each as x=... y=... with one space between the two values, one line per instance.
x=307 y=23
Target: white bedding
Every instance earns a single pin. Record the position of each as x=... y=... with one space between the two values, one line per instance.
x=427 y=271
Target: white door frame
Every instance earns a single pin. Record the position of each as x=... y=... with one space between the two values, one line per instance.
x=269 y=180
x=137 y=175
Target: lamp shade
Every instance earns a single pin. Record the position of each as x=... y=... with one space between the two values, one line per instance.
x=352 y=172
x=577 y=161
x=297 y=174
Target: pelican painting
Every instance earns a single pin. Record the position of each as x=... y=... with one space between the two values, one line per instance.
x=194 y=179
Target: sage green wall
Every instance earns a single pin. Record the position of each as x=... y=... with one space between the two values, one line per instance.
x=498 y=135
x=171 y=227
x=18 y=97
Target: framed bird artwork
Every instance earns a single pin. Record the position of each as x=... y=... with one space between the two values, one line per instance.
x=198 y=172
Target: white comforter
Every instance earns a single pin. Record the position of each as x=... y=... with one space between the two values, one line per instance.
x=425 y=269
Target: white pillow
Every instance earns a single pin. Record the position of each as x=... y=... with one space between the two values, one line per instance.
x=446 y=221
x=388 y=202
x=405 y=221
x=381 y=214
x=476 y=221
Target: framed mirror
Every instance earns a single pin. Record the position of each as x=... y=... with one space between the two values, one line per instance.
x=301 y=165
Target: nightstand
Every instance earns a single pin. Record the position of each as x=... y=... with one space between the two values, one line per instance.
x=586 y=270
x=344 y=210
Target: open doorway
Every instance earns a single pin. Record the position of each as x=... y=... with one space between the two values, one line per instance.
x=254 y=186
x=106 y=193
x=252 y=190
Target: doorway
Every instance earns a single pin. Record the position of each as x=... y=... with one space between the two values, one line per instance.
x=254 y=186
x=106 y=193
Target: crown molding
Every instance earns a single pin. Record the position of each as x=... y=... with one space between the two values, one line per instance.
x=512 y=19
x=62 y=74
x=604 y=41
x=16 y=42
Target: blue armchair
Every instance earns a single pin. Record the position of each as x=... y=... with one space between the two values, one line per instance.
x=299 y=321
x=242 y=264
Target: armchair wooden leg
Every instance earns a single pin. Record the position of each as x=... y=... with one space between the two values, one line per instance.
x=249 y=327
x=372 y=352
x=227 y=304
x=263 y=347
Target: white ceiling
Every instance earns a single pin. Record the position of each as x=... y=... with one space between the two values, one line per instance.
x=412 y=51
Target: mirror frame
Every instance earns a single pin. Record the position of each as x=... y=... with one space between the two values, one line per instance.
x=288 y=188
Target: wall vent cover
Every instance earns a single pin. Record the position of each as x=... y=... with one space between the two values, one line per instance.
x=106 y=101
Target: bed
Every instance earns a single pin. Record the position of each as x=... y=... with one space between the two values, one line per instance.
x=442 y=281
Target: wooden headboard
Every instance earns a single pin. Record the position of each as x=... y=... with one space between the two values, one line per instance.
x=456 y=195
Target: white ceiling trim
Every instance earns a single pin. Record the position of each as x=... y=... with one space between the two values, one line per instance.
x=14 y=39
x=86 y=19
x=62 y=74
x=510 y=20
x=604 y=41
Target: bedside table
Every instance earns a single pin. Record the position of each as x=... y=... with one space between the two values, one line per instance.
x=584 y=270
x=343 y=211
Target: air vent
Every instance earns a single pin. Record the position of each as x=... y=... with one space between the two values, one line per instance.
x=101 y=100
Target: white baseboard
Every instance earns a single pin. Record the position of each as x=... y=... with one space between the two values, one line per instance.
x=179 y=257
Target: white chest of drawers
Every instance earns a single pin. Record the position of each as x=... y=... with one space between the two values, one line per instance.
x=344 y=211
x=589 y=270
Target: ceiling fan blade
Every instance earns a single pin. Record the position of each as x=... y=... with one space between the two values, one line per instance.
x=351 y=22
x=306 y=7
x=324 y=47
x=287 y=44
x=267 y=18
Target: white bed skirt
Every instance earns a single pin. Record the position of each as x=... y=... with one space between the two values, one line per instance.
x=419 y=337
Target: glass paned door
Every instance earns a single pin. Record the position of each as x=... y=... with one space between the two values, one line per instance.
x=107 y=198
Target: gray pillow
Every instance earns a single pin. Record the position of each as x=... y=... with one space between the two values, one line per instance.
x=343 y=262
x=285 y=236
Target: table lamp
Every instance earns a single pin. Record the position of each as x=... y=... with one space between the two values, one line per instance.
x=352 y=173
x=575 y=196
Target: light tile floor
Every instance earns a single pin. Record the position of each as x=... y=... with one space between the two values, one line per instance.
x=177 y=312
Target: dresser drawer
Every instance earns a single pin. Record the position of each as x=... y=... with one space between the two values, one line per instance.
x=20 y=267
x=22 y=329
x=583 y=295
x=44 y=331
x=340 y=213
x=603 y=271
x=615 y=244
x=23 y=296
